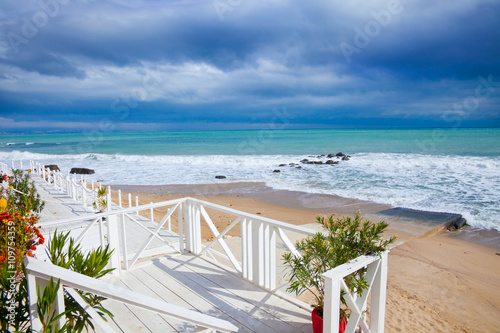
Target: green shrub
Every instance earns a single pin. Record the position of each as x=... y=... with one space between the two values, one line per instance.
x=24 y=199
x=345 y=239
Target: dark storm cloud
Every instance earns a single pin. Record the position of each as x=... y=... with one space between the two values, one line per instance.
x=176 y=61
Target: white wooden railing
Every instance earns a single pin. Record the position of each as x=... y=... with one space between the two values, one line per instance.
x=68 y=184
x=4 y=167
x=256 y=248
x=39 y=274
x=376 y=276
x=258 y=240
x=79 y=190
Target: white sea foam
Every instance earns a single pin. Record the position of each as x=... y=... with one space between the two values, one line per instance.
x=465 y=185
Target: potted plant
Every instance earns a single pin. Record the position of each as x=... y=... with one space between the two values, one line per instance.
x=345 y=239
x=100 y=203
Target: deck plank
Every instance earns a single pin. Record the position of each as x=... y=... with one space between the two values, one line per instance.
x=234 y=302
x=274 y=305
x=140 y=319
x=277 y=308
x=196 y=297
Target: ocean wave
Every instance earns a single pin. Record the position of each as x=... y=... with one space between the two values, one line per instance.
x=469 y=185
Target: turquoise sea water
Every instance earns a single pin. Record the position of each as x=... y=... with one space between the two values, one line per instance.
x=466 y=142
x=452 y=170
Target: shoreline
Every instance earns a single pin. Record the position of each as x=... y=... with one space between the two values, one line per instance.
x=318 y=204
x=323 y=203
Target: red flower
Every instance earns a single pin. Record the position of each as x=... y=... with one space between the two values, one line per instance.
x=2 y=258
x=30 y=254
x=33 y=247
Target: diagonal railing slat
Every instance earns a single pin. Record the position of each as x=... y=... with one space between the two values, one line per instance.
x=151 y=237
x=221 y=242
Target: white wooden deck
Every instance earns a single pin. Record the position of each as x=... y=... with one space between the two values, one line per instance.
x=193 y=283
x=185 y=280
x=58 y=205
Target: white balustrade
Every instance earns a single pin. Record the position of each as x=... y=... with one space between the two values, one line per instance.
x=258 y=244
x=39 y=274
x=77 y=190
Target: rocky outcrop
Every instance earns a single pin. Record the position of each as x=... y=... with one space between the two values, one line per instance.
x=82 y=171
x=220 y=177
x=51 y=167
x=320 y=159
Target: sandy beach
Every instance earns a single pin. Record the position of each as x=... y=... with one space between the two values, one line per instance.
x=438 y=282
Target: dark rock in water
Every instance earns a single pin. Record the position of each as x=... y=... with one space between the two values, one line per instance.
x=291 y=164
x=457 y=223
x=304 y=160
x=82 y=171
x=220 y=177
x=314 y=162
x=340 y=155
x=299 y=167
x=282 y=165
x=277 y=170
x=331 y=155
x=51 y=167
x=329 y=162
x=345 y=158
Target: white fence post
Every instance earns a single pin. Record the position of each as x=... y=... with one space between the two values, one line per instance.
x=379 y=295
x=331 y=308
x=180 y=223
x=257 y=253
x=120 y=198
x=376 y=276
x=193 y=228
x=84 y=193
x=58 y=306
x=68 y=186
x=113 y=236
x=151 y=213
x=258 y=241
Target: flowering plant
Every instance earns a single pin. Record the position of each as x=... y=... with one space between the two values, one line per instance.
x=20 y=237
x=4 y=177
x=19 y=234
x=3 y=190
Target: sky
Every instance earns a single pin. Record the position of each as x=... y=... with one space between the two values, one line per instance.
x=147 y=65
